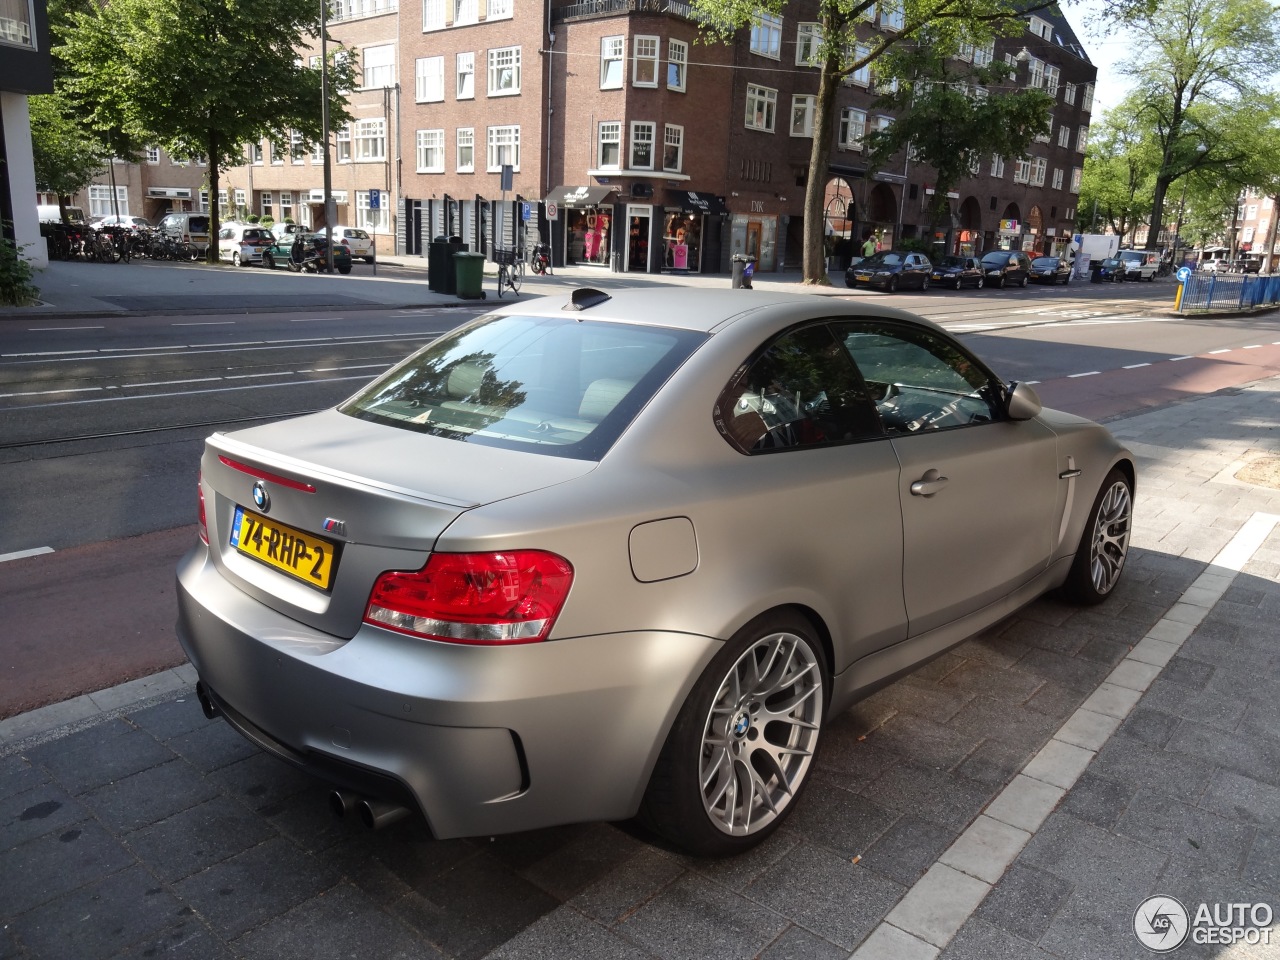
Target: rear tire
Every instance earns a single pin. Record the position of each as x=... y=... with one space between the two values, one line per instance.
x=268 y=261
x=742 y=746
x=1104 y=545
x=893 y=284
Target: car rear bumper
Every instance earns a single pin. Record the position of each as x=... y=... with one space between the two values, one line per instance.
x=481 y=740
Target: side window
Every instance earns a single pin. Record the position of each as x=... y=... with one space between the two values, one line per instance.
x=919 y=381
x=801 y=391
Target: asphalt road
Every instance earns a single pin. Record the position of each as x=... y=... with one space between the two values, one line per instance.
x=101 y=426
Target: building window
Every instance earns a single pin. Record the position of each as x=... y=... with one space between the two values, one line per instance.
x=808 y=39
x=430 y=151
x=644 y=71
x=286 y=205
x=861 y=76
x=1070 y=214
x=371 y=140
x=1041 y=28
x=892 y=17
x=432 y=15
x=429 y=79
x=1068 y=93
x=1086 y=100
x=317 y=153
x=498 y=10
x=267 y=202
x=672 y=148
x=1039 y=166
x=1064 y=136
x=1022 y=170
x=367 y=218
x=153 y=155
x=1044 y=137
x=612 y=53
x=642 y=134
x=379 y=65
x=466 y=150
x=762 y=102
x=677 y=63
x=802 y=107
x=100 y=200
x=609 y=146
x=466 y=76
x=204 y=201
x=1052 y=76
x=240 y=200
x=997 y=166
x=297 y=148
x=1075 y=179
x=465 y=12
x=853 y=128
x=504 y=72
x=255 y=153
x=1082 y=139
x=277 y=153
x=1035 y=73
x=1251 y=212
x=1057 y=179
x=504 y=148
x=766 y=35
x=982 y=56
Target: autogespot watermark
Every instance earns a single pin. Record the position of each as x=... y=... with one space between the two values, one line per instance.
x=1163 y=924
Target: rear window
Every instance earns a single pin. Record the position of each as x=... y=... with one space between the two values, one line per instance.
x=1043 y=262
x=558 y=386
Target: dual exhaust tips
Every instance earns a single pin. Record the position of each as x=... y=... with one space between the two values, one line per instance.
x=374 y=814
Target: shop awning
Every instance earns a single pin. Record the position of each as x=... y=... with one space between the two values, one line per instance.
x=578 y=196
x=696 y=201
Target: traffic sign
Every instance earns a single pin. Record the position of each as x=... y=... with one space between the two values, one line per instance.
x=375 y=199
x=526 y=210
x=553 y=210
x=1183 y=274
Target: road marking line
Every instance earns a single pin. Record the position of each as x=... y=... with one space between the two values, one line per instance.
x=23 y=554
x=48 y=329
x=206 y=323
x=982 y=854
x=1135 y=366
x=1176 y=359
x=49 y=393
x=1228 y=350
x=1253 y=346
x=1091 y=373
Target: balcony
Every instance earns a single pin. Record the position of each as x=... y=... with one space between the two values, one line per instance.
x=592 y=9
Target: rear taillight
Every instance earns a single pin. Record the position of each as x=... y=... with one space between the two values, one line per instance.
x=480 y=598
x=204 y=523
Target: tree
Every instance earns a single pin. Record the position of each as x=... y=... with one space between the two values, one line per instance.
x=842 y=49
x=1197 y=59
x=66 y=156
x=202 y=78
x=1119 y=171
x=947 y=123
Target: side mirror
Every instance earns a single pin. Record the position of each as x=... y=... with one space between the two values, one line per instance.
x=1023 y=402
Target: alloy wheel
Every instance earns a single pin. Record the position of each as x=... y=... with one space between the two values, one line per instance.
x=1111 y=537
x=760 y=734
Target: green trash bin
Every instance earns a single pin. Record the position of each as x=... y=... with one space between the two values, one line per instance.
x=470 y=275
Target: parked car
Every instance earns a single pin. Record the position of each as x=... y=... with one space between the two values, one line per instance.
x=356 y=240
x=133 y=223
x=1139 y=264
x=1007 y=268
x=959 y=272
x=1050 y=270
x=311 y=248
x=51 y=213
x=505 y=588
x=243 y=243
x=192 y=228
x=1109 y=270
x=892 y=270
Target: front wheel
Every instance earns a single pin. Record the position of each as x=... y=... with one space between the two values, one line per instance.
x=893 y=284
x=742 y=747
x=344 y=269
x=981 y=282
x=1104 y=545
x=502 y=280
x=924 y=284
x=517 y=275
x=268 y=261
x=1025 y=281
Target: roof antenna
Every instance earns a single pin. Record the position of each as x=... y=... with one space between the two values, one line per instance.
x=585 y=297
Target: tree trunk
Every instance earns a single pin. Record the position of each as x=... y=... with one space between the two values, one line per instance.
x=824 y=122
x=1269 y=255
x=1156 y=222
x=211 y=255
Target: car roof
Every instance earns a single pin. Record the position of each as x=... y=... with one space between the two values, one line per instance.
x=706 y=310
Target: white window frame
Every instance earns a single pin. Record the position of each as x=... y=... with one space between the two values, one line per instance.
x=429 y=152
x=673 y=137
x=503 y=72
x=997 y=165
x=1069 y=93
x=297 y=148
x=499 y=10
x=369 y=140
x=1039 y=166
x=1064 y=136
x=500 y=141
x=1052 y=78
x=379 y=74
x=465 y=76
x=428 y=76
x=433 y=15
x=766 y=35
x=642 y=132
x=613 y=54
x=266 y=203
x=153 y=157
x=677 y=65
x=1086 y=100
x=374 y=221
x=100 y=200
x=644 y=65
x=891 y=15
x=1035 y=73
x=466 y=140
x=982 y=56
x=853 y=128
x=1041 y=28
x=1082 y=138
x=609 y=136
x=317 y=153
x=286 y=205
x=761 y=101
x=861 y=76
x=1022 y=170
x=803 y=108
x=1076 y=174
x=1057 y=178
x=808 y=40
x=465 y=12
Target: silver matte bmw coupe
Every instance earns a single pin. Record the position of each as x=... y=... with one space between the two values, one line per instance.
x=626 y=554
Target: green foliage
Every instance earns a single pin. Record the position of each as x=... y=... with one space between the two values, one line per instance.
x=251 y=218
x=1119 y=171
x=266 y=221
x=66 y=156
x=16 y=274
x=202 y=77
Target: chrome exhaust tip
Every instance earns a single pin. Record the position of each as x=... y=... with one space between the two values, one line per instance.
x=342 y=803
x=210 y=708
x=376 y=814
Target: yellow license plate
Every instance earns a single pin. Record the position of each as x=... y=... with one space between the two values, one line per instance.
x=291 y=551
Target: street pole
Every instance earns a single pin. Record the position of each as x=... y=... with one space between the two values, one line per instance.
x=329 y=211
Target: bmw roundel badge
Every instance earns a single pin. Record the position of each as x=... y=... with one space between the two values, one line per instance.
x=260 y=497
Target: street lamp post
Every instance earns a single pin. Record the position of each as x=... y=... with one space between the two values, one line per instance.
x=329 y=211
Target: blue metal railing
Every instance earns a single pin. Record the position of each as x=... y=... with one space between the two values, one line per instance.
x=1216 y=291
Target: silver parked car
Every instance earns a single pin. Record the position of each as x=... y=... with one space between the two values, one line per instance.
x=628 y=555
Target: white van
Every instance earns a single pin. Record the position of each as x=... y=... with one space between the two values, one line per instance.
x=49 y=213
x=1139 y=264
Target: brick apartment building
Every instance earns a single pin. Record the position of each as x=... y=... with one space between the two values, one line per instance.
x=637 y=149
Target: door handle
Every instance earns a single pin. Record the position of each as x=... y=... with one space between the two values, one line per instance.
x=929 y=484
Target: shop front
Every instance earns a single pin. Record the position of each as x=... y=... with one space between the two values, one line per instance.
x=690 y=232
x=586 y=234
x=755 y=235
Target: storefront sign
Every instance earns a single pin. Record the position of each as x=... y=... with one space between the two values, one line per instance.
x=1008 y=226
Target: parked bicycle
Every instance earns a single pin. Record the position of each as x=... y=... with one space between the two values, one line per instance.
x=510 y=270
x=541 y=262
